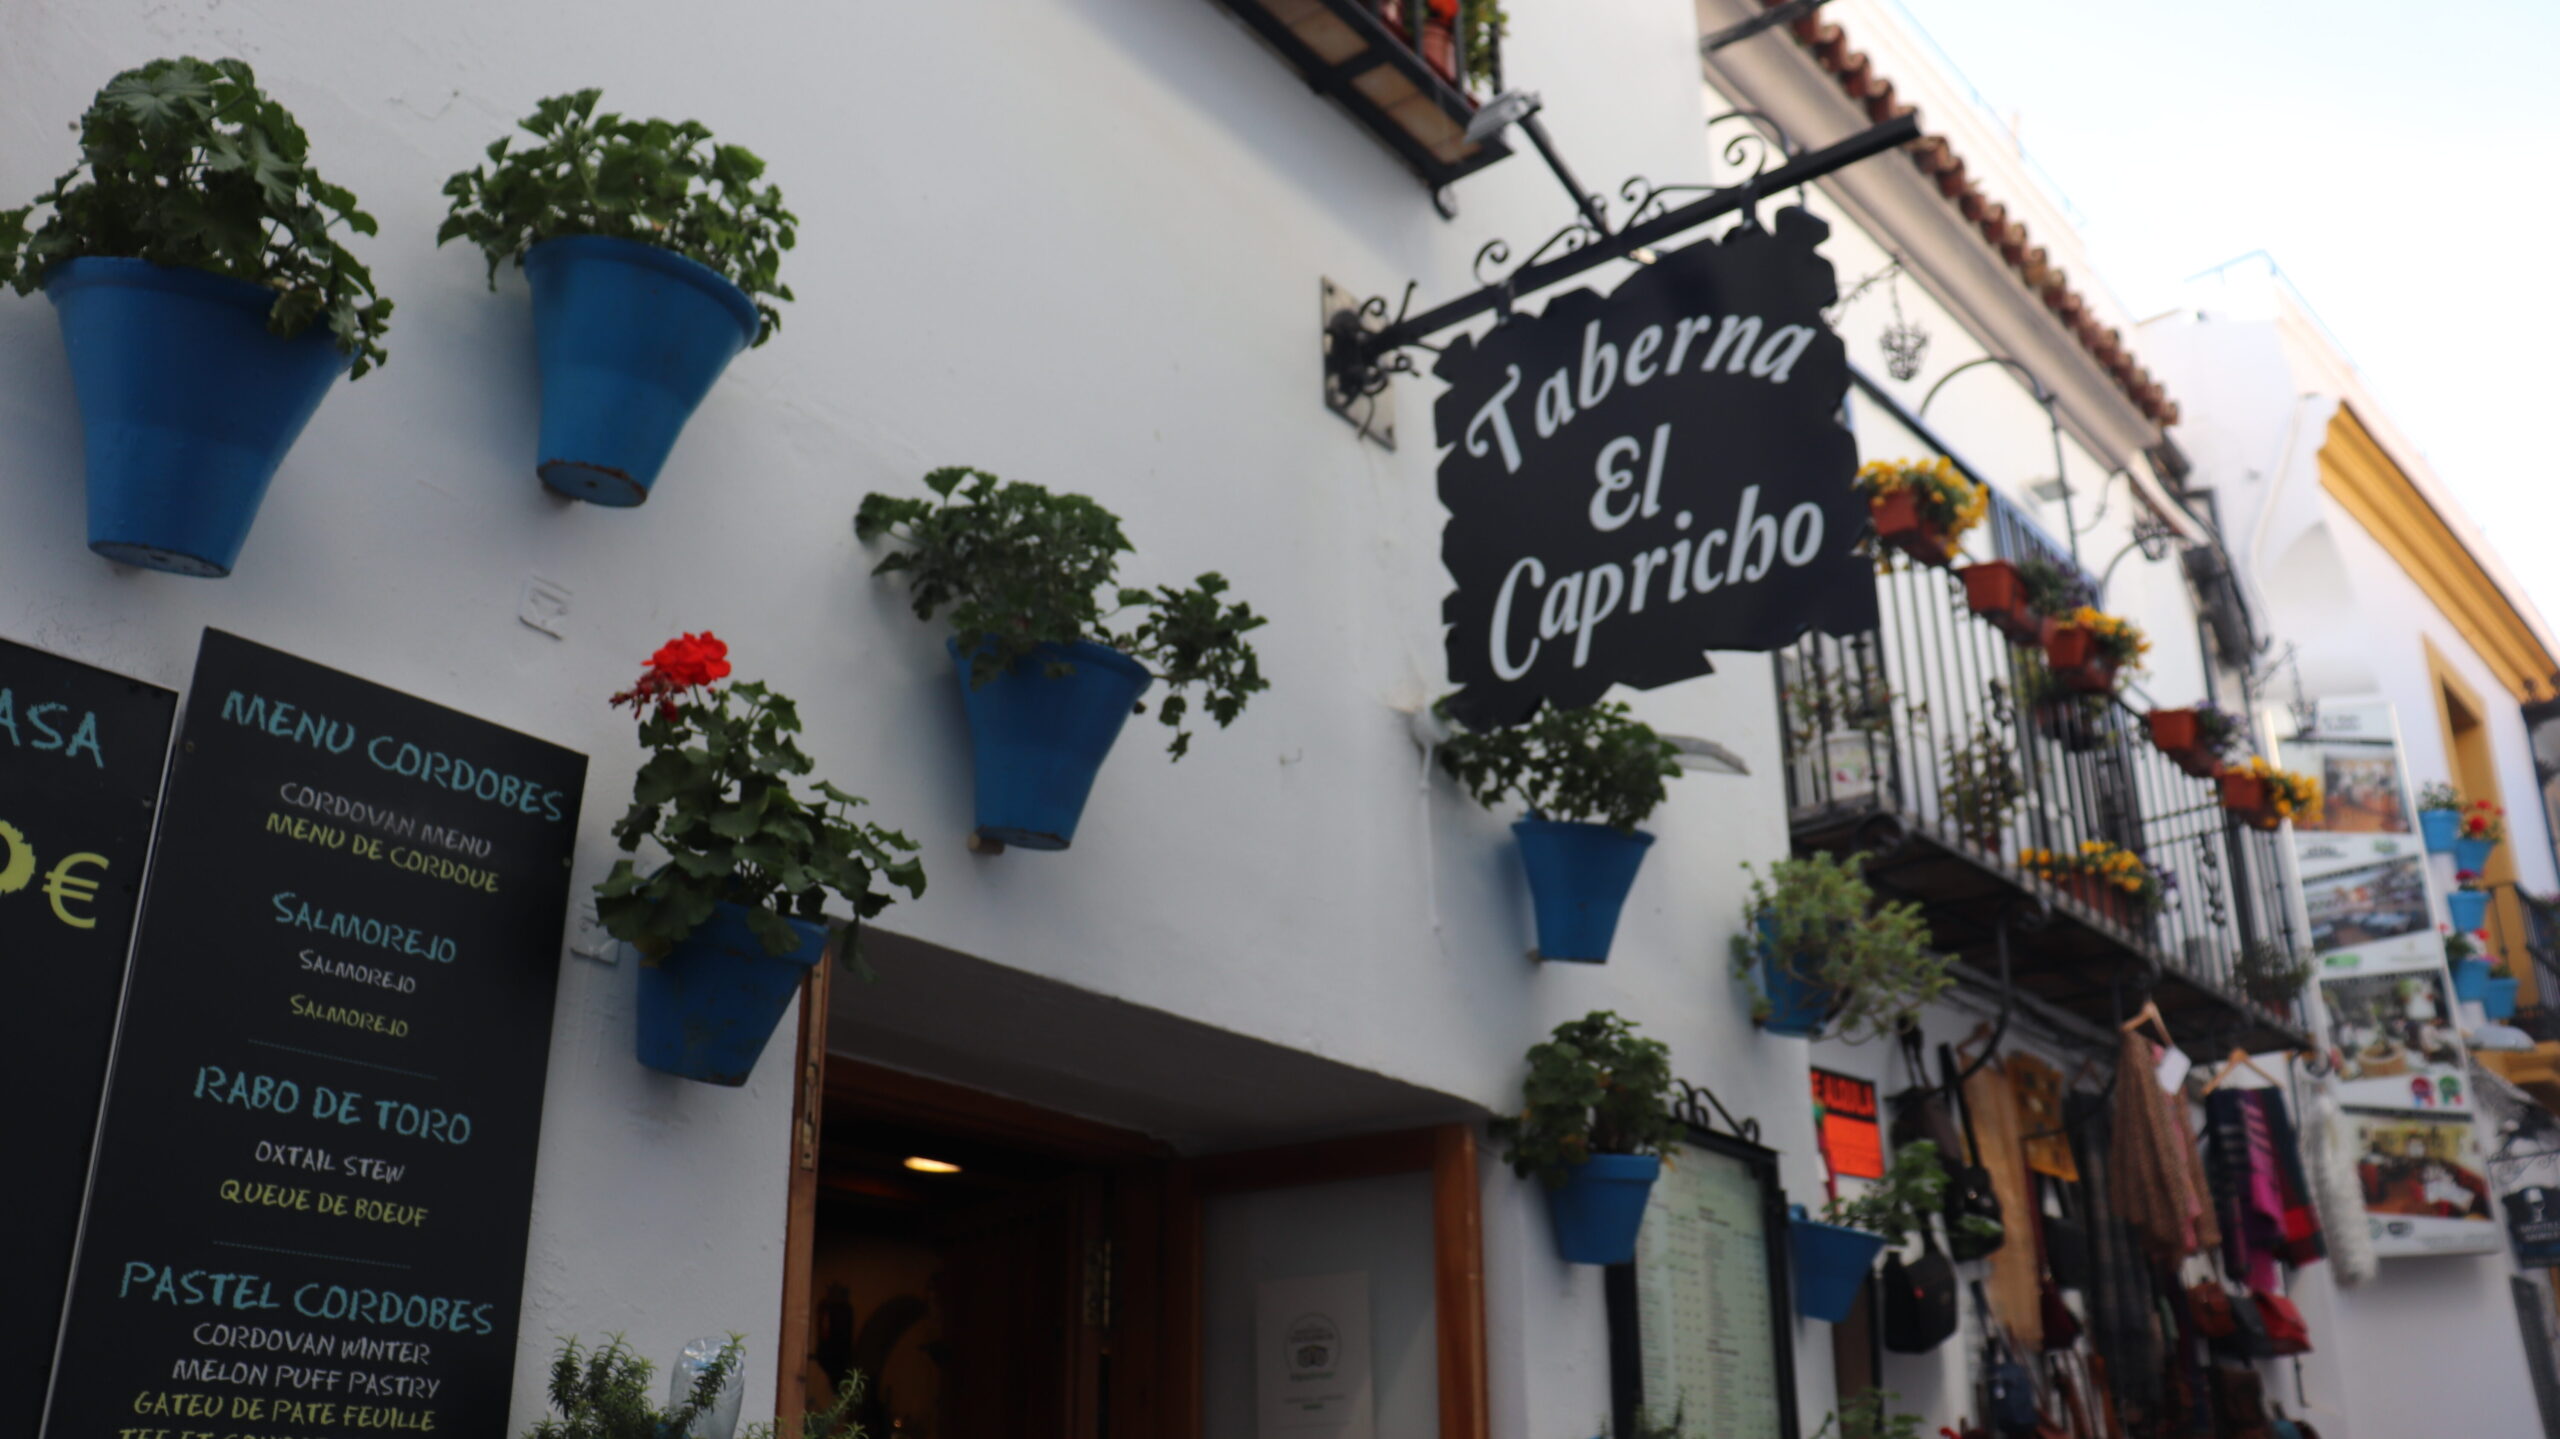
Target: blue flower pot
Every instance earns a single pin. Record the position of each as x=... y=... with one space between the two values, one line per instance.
x=708 y=1005
x=2468 y=908
x=630 y=338
x=2470 y=978
x=1798 y=1007
x=1601 y=1206
x=187 y=405
x=1038 y=739
x=2498 y=998
x=1831 y=1264
x=2473 y=854
x=2442 y=828
x=1579 y=875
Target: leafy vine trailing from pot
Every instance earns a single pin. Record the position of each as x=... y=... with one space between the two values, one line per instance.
x=1817 y=919
x=1594 y=765
x=1020 y=567
x=186 y=162
x=658 y=182
x=1595 y=1086
x=1870 y=1414
x=1899 y=1205
x=716 y=795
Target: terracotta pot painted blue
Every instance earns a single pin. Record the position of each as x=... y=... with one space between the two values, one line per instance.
x=1039 y=739
x=2498 y=998
x=708 y=1005
x=1798 y=1007
x=1601 y=1206
x=187 y=406
x=2468 y=908
x=2442 y=827
x=630 y=338
x=2473 y=854
x=2470 y=978
x=1831 y=1264
x=1579 y=875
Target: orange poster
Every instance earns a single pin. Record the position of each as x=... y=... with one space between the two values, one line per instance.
x=1851 y=1142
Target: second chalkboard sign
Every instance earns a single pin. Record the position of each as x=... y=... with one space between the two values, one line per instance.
x=314 y=1177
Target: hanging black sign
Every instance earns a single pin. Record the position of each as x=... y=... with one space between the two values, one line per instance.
x=1636 y=479
x=308 y=1212
x=2533 y=1225
x=80 y=757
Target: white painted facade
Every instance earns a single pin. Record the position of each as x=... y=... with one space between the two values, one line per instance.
x=1077 y=242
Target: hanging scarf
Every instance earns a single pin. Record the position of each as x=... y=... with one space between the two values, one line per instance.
x=2158 y=1179
x=2336 y=1192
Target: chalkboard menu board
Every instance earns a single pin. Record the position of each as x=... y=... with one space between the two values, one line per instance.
x=80 y=758
x=308 y=1213
x=1699 y=1324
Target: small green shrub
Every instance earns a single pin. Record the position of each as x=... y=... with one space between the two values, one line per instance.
x=1594 y=1087
x=1829 y=930
x=604 y=1393
x=1595 y=765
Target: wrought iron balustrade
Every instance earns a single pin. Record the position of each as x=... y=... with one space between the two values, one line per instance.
x=1935 y=730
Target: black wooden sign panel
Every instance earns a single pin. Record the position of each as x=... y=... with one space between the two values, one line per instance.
x=313 y=1182
x=80 y=757
x=1636 y=479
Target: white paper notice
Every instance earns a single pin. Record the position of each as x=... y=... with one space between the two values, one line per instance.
x=2172 y=1072
x=1311 y=1363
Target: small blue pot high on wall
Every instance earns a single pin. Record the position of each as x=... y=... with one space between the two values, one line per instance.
x=187 y=406
x=1600 y=1208
x=2442 y=827
x=2468 y=908
x=1038 y=739
x=2498 y=998
x=630 y=338
x=2470 y=978
x=708 y=1005
x=1798 y=1006
x=2473 y=854
x=1579 y=876
x=1831 y=1264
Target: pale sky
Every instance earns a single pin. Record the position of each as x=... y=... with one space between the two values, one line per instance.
x=2397 y=160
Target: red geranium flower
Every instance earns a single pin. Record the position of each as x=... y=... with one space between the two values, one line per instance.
x=686 y=662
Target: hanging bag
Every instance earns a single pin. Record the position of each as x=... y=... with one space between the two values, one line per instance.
x=1919 y=1298
x=2066 y=1239
x=2282 y=1322
x=1969 y=1191
x=2009 y=1392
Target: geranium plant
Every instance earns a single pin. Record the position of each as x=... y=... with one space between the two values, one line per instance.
x=2484 y=822
x=1019 y=567
x=1817 y=919
x=658 y=182
x=1595 y=1086
x=1951 y=503
x=186 y=162
x=716 y=795
x=1594 y=765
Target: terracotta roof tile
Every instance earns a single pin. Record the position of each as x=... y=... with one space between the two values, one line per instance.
x=1935 y=157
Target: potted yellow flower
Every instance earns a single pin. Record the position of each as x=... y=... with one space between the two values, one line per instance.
x=1922 y=507
x=2102 y=875
x=2265 y=796
x=2090 y=650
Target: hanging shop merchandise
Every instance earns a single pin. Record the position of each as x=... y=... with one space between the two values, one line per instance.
x=80 y=758
x=1636 y=479
x=314 y=1178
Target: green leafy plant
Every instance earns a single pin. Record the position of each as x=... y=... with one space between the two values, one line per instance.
x=1870 y=1414
x=716 y=795
x=2439 y=795
x=2052 y=590
x=1019 y=567
x=1899 y=1205
x=1982 y=787
x=1831 y=700
x=1594 y=765
x=187 y=162
x=1820 y=920
x=1594 y=1087
x=2270 y=973
x=833 y=1422
x=2459 y=947
x=603 y=1393
x=659 y=182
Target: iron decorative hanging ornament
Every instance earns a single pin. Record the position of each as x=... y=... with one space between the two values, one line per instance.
x=1636 y=479
x=1904 y=342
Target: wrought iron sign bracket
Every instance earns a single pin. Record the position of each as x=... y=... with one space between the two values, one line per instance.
x=1698 y=1107
x=1364 y=346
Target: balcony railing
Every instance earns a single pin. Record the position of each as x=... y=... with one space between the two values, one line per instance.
x=1951 y=752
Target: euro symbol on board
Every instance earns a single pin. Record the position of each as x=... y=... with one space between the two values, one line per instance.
x=22 y=859
x=62 y=886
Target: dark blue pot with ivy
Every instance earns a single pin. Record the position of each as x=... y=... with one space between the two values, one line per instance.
x=187 y=406
x=1579 y=879
x=1799 y=1004
x=1831 y=1264
x=1599 y=1208
x=708 y=1005
x=630 y=338
x=1037 y=738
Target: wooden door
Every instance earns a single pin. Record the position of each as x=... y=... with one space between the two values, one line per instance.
x=1023 y=1285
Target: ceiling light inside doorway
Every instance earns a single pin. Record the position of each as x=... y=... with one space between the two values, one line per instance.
x=922 y=1165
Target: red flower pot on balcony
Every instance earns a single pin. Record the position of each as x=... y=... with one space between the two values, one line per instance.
x=1440 y=47
x=2071 y=652
x=1900 y=524
x=2246 y=796
x=2098 y=895
x=2176 y=734
x=1998 y=593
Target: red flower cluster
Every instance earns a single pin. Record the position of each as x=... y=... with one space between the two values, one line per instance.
x=684 y=663
x=2481 y=821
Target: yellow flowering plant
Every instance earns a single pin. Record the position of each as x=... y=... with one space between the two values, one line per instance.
x=2119 y=871
x=1945 y=498
x=2120 y=640
x=2292 y=796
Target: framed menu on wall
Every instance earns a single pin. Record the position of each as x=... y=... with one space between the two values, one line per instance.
x=1699 y=1325
x=314 y=1176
